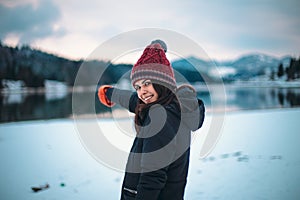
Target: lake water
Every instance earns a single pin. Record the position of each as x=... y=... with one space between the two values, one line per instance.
x=20 y=106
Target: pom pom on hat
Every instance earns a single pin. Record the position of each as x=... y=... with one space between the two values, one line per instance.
x=162 y=44
x=154 y=65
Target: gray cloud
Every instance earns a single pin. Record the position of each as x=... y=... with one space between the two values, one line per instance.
x=28 y=21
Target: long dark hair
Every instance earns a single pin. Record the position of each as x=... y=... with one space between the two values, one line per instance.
x=165 y=97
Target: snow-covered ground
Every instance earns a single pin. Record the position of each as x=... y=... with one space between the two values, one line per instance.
x=257 y=157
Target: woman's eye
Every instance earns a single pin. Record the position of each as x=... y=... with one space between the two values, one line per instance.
x=137 y=87
x=147 y=83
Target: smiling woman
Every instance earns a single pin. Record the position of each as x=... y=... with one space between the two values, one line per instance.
x=165 y=115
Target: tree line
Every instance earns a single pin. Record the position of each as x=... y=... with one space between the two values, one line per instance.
x=291 y=72
x=33 y=67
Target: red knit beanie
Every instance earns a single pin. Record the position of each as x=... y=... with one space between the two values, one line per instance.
x=154 y=65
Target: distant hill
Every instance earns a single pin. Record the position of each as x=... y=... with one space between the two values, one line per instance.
x=33 y=67
x=249 y=66
x=243 y=68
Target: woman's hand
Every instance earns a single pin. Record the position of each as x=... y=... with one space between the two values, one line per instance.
x=102 y=96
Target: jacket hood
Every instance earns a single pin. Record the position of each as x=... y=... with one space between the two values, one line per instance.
x=192 y=108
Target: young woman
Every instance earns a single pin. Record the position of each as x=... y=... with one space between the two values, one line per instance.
x=165 y=115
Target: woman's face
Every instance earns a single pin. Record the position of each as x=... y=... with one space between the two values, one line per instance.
x=146 y=91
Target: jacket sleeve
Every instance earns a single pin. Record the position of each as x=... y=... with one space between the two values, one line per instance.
x=192 y=108
x=159 y=147
x=126 y=98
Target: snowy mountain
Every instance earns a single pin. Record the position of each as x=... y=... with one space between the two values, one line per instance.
x=257 y=65
x=244 y=68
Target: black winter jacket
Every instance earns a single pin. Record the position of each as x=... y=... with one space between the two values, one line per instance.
x=158 y=162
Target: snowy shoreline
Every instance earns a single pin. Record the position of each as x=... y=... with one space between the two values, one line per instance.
x=255 y=157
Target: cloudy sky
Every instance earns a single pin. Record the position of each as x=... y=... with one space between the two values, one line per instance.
x=224 y=29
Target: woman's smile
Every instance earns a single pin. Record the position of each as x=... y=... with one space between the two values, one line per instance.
x=147 y=97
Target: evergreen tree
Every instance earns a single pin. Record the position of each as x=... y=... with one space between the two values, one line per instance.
x=297 y=68
x=272 y=76
x=280 y=71
x=291 y=70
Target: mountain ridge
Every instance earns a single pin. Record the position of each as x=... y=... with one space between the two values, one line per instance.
x=242 y=68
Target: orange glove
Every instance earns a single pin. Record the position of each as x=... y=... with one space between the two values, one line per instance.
x=102 y=96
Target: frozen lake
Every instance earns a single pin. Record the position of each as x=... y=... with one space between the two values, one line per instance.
x=256 y=157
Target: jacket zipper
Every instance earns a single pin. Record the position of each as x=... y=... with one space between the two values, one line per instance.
x=130 y=190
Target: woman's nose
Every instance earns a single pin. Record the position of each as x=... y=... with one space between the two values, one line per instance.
x=143 y=89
